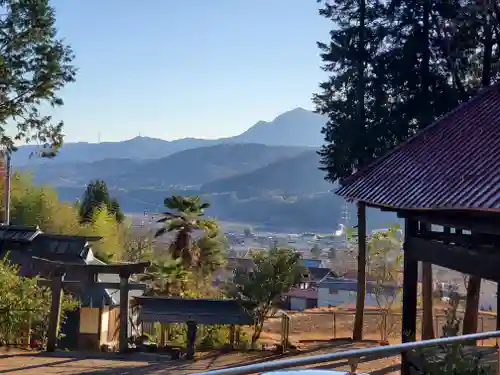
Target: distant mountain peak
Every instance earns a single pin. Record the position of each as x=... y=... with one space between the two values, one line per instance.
x=296 y=127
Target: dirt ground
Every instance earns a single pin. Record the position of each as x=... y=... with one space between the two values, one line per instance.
x=71 y=363
x=328 y=323
x=305 y=328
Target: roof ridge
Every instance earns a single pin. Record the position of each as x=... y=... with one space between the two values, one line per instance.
x=421 y=133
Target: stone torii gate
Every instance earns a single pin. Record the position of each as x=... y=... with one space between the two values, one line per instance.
x=86 y=274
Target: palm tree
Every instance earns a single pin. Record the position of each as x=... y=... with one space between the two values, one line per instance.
x=186 y=218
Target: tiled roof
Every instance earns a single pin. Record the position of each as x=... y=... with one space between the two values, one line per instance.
x=452 y=164
x=351 y=285
x=311 y=293
x=18 y=233
x=60 y=248
x=318 y=273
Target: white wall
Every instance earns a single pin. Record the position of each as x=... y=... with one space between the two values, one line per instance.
x=298 y=303
x=342 y=297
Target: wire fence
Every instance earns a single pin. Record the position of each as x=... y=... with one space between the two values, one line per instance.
x=377 y=325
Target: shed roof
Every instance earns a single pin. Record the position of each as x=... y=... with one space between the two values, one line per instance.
x=18 y=233
x=452 y=164
x=202 y=311
x=318 y=273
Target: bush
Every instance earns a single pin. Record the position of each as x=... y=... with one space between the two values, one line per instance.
x=25 y=305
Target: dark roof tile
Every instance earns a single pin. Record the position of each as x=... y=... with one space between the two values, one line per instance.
x=452 y=164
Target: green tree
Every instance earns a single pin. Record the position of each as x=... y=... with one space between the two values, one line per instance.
x=137 y=248
x=247 y=232
x=95 y=197
x=316 y=251
x=212 y=251
x=186 y=216
x=21 y=299
x=103 y=224
x=275 y=273
x=35 y=65
x=166 y=277
x=40 y=205
x=332 y=253
x=416 y=61
x=385 y=266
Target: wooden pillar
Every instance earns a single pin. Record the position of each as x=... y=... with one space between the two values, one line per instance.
x=191 y=339
x=410 y=282
x=124 y=288
x=55 y=310
x=498 y=307
x=232 y=335
x=427 y=295
x=361 y=286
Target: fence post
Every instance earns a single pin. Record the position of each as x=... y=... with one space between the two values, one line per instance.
x=334 y=325
x=28 y=338
x=482 y=328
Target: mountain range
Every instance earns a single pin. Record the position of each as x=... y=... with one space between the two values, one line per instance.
x=298 y=127
x=268 y=176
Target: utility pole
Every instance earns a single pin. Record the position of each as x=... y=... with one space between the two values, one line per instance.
x=7 y=168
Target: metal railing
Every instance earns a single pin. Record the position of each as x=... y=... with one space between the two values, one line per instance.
x=377 y=352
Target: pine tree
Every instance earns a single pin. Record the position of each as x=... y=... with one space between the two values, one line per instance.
x=35 y=65
x=96 y=197
x=395 y=67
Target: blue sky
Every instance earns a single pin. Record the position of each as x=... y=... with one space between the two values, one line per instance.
x=176 y=68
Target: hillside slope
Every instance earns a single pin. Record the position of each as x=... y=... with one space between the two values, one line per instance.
x=183 y=169
x=299 y=175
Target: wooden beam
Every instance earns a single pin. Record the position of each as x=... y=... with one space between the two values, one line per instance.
x=105 y=285
x=55 y=312
x=427 y=305
x=361 y=286
x=455 y=257
x=498 y=307
x=191 y=339
x=489 y=224
x=114 y=268
x=410 y=283
x=124 y=306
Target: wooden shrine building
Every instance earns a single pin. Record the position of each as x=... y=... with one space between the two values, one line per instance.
x=445 y=183
x=66 y=262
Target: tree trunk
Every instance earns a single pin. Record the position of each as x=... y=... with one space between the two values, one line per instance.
x=474 y=284
x=360 y=88
x=472 y=305
x=425 y=71
x=488 y=45
x=427 y=326
x=361 y=286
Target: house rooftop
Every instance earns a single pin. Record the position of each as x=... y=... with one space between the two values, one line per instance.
x=18 y=233
x=319 y=273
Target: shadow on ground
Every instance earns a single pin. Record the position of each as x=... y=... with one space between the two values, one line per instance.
x=156 y=365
